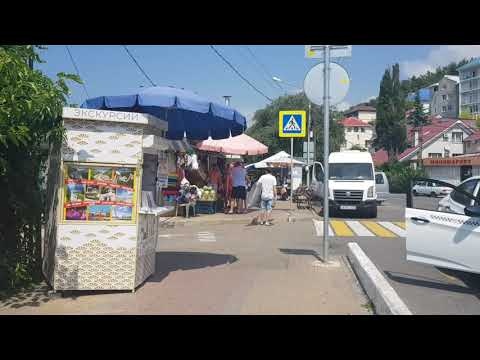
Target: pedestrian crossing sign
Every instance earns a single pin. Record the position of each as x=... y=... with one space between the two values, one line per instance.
x=292 y=123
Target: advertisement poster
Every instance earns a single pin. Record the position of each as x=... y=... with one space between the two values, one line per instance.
x=99 y=193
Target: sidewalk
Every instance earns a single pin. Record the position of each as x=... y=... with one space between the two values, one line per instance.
x=280 y=213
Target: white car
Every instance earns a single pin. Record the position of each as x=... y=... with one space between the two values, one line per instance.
x=450 y=237
x=430 y=188
x=455 y=202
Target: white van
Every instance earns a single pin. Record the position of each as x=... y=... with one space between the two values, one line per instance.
x=352 y=183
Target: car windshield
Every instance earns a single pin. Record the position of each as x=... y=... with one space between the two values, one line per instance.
x=350 y=171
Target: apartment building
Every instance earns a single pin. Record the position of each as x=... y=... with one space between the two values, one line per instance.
x=444 y=101
x=469 y=88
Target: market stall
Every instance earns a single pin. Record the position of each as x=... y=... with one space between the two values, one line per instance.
x=280 y=164
x=102 y=227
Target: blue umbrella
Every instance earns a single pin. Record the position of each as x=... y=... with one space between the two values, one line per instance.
x=186 y=112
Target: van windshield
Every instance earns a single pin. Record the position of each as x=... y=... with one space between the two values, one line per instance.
x=350 y=171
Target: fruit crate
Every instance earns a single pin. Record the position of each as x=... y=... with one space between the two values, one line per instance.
x=206 y=207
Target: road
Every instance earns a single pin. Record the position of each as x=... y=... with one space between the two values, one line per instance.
x=425 y=289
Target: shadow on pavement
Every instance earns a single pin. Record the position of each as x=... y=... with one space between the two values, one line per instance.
x=168 y=261
x=301 y=252
x=32 y=297
x=430 y=283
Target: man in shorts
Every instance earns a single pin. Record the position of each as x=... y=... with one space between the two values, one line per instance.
x=268 y=185
x=239 y=192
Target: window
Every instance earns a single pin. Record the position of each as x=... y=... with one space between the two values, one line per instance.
x=444 y=109
x=349 y=129
x=468 y=187
x=445 y=137
x=362 y=129
x=449 y=107
x=355 y=129
x=446 y=153
x=379 y=179
x=435 y=88
x=444 y=97
x=457 y=137
x=350 y=171
x=434 y=155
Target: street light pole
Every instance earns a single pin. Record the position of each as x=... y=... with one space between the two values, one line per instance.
x=308 y=142
x=326 y=147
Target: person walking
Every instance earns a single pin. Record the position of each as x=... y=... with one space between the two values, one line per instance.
x=239 y=191
x=268 y=185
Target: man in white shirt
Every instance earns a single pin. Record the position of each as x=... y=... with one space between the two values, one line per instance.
x=239 y=191
x=268 y=185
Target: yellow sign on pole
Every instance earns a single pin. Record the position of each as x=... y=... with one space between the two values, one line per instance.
x=292 y=123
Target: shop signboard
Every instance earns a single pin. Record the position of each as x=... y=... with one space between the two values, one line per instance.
x=99 y=193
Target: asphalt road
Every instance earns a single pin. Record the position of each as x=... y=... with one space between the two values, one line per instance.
x=425 y=289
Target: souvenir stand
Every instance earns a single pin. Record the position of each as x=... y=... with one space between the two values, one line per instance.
x=102 y=229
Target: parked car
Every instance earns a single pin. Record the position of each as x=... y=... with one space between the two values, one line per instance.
x=430 y=188
x=382 y=186
x=455 y=202
x=450 y=237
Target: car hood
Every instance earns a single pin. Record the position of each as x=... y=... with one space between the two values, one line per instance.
x=350 y=185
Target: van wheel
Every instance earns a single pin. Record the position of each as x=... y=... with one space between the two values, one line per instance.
x=372 y=213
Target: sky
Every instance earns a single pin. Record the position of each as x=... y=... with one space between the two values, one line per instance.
x=108 y=70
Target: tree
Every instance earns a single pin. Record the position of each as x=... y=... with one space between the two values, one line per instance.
x=390 y=127
x=418 y=120
x=358 y=147
x=265 y=126
x=30 y=122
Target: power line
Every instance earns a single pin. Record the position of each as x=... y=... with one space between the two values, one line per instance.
x=76 y=69
x=239 y=74
x=269 y=74
x=138 y=65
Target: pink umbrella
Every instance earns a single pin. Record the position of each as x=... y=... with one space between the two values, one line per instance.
x=236 y=145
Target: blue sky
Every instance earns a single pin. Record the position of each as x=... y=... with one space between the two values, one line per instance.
x=108 y=70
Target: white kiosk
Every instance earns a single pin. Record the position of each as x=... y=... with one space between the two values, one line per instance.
x=100 y=235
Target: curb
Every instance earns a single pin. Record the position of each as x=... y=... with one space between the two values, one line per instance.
x=380 y=292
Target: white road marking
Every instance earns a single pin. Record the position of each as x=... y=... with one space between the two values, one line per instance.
x=206 y=237
x=359 y=229
x=393 y=228
x=170 y=235
x=319 y=228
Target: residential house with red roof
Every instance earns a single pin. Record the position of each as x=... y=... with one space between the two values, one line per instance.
x=363 y=112
x=358 y=133
x=443 y=138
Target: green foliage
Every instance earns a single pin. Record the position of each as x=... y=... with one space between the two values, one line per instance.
x=265 y=126
x=390 y=126
x=418 y=118
x=400 y=175
x=30 y=122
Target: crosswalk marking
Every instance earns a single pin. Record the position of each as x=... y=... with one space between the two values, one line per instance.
x=359 y=229
x=340 y=228
x=394 y=228
x=319 y=228
x=401 y=224
x=377 y=229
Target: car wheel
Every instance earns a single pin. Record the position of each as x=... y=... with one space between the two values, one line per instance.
x=415 y=193
x=433 y=194
x=373 y=212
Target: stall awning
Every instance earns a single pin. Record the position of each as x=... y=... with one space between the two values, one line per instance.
x=186 y=112
x=236 y=145
x=281 y=159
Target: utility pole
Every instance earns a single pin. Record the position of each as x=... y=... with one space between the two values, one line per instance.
x=326 y=147
x=309 y=125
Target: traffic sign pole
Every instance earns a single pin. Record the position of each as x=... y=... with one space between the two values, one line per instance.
x=308 y=142
x=326 y=148
x=291 y=174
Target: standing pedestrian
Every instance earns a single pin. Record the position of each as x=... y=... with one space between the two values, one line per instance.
x=268 y=185
x=228 y=186
x=239 y=192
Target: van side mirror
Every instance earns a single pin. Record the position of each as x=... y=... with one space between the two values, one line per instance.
x=472 y=211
